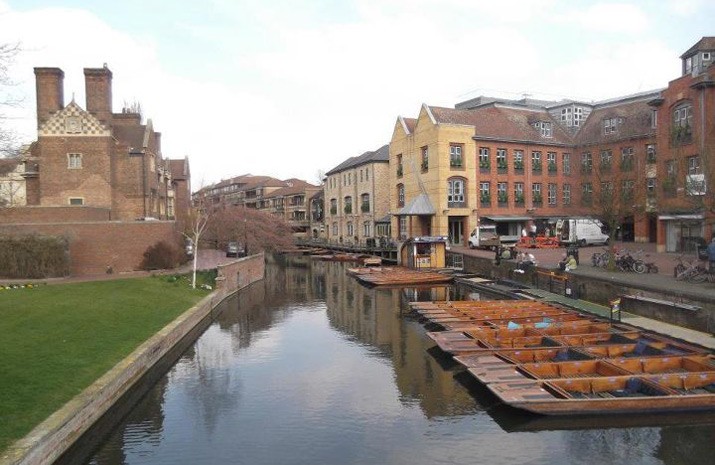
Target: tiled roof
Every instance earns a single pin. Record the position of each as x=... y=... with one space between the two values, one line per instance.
x=420 y=205
x=706 y=43
x=504 y=123
x=411 y=123
x=133 y=136
x=635 y=122
x=381 y=155
x=8 y=164
x=297 y=186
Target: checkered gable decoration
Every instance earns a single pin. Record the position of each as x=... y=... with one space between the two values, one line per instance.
x=73 y=121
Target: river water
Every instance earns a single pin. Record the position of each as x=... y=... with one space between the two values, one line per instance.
x=309 y=367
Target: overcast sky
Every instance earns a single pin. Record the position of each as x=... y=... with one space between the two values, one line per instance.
x=289 y=88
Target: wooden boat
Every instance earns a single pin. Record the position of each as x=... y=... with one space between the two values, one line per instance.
x=553 y=361
x=397 y=276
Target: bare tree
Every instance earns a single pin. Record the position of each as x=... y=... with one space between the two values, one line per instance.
x=196 y=223
x=8 y=139
x=256 y=230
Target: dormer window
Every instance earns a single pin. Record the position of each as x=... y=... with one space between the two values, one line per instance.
x=544 y=127
x=610 y=125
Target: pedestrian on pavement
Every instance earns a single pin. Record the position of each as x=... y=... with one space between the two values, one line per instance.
x=711 y=255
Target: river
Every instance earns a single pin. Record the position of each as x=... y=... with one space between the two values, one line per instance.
x=309 y=367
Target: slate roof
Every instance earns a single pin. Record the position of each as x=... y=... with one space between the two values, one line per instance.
x=420 y=205
x=636 y=122
x=706 y=43
x=297 y=186
x=381 y=155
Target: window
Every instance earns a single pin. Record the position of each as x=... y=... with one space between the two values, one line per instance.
x=551 y=161
x=654 y=118
x=536 y=197
x=502 y=192
x=518 y=159
x=365 y=203
x=627 y=159
x=455 y=156
x=694 y=165
x=74 y=161
x=76 y=201
x=400 y=195
x=606 y=193
x=552 y=194
x=366 y=229
x=706 y=56
x=360 y=175
x=333 y=206
x=650 y=153
x=399 y=165
x=566 y=194
x=671 y=168
x=348 y=204
x=566 y=163
x=544 y=128
x=485 y=194
x=455 y=192
x=349 y=228
x=682 y=123
x=425 y=159
x=627 y=189
x=519 y=193
x=367 y=174
x=610 y=125
x=651 y=186
x=606 y=160
x=536 y=162
x=586 y=193
x=484 y=162
x=586 y=162
x=501 y=159
x=335 y=229
x=403 y=227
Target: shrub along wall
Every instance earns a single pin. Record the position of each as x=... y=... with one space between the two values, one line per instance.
x=34 y=256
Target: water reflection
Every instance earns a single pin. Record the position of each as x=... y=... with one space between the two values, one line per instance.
x=310 y=367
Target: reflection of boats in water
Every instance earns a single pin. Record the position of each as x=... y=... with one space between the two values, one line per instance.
x=553 y=361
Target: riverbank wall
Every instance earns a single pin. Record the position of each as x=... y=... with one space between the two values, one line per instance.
x=53 y=437
x=657 y=297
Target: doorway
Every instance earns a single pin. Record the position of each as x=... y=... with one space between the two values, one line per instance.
x=455 y=230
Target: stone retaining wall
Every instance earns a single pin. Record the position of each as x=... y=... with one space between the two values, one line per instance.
x=49 y=440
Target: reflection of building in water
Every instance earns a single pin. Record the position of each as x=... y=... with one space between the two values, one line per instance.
x=299 y=275
x=373 y=316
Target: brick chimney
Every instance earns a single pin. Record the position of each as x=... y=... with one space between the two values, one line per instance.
x=49 y=84
x=98 y=89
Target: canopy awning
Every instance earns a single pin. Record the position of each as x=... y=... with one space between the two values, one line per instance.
x=685 y=216
x=508 y=218
x=420 y=205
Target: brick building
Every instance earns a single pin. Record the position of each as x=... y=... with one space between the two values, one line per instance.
x=92 y=173
x=517 y=161
x=356 y=198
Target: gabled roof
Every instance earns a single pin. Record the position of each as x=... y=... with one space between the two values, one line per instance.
x=704 y=44
x=381 y=155
x=297 y=186
x=88 y=125
x=420 y=205
x=179 y=168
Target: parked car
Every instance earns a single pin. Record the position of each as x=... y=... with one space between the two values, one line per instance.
x=189 y=248
x=232 y=249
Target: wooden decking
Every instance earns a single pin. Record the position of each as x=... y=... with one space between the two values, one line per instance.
x=398 y=276
x=548 y=359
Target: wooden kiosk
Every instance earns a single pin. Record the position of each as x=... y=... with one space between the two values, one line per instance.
x=424 y=252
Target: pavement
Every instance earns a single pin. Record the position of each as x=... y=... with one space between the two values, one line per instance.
x=662 y=282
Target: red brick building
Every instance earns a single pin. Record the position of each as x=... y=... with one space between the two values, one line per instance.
x=99 y=177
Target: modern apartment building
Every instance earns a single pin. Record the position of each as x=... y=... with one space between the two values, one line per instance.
x=516 y=161
x=356 y=197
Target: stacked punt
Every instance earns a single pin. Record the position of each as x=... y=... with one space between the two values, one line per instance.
x=397 y=276
x=549 y=360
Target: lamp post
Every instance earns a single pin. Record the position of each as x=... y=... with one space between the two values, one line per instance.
x=245 y=237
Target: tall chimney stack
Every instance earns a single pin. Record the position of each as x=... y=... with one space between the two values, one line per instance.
x=98 y=89
x=49 y=88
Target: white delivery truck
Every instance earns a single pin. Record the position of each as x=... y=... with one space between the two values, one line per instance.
x=484 y=237
x=581 y=231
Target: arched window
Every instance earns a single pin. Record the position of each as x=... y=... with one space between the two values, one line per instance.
x=400 y=195
x=365 y=203
x=456 y=193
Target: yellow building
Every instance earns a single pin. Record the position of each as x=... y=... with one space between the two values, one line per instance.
x=432 y=173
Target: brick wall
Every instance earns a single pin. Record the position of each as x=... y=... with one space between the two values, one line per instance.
x=53 y=214
x=240 y=273
x=96 y=245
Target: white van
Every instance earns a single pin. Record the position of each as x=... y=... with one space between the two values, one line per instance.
x=486 y=239
x=582 y=231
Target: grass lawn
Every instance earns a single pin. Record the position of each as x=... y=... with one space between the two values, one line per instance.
x=56 y=340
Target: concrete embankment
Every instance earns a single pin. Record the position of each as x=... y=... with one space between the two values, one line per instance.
x=53 y=437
